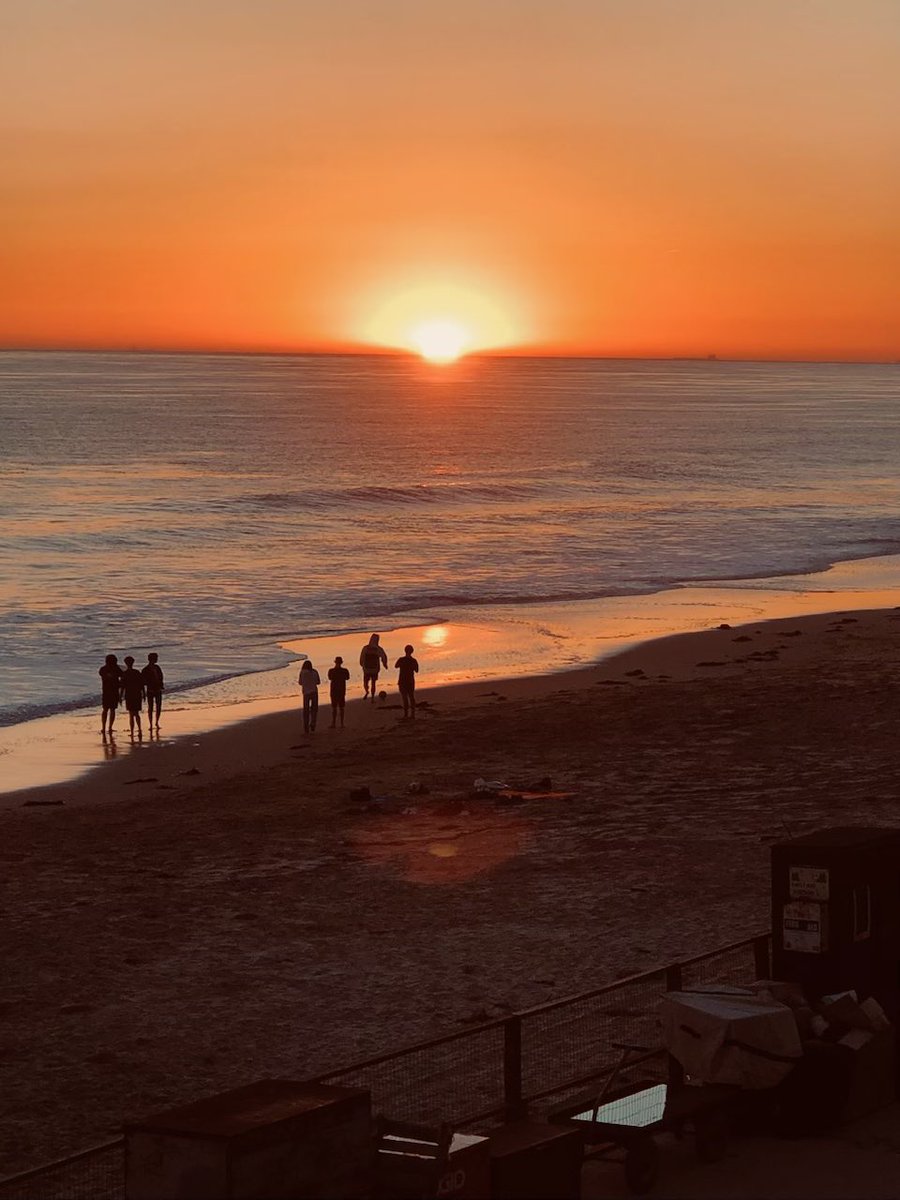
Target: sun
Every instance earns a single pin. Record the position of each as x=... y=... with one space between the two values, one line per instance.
x=440 y=339
x=441 y=320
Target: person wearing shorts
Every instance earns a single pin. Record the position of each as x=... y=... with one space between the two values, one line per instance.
x=111 y=675
x=153 y=686
x=372 y=658
x=406 y=681
x=337 y=679
x=133 y=694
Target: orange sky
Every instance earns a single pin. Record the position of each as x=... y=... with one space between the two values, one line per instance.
x=607 y=176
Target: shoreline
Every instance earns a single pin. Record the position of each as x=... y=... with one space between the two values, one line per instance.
x=166 y=942
x=493 y=647
x=260 y=741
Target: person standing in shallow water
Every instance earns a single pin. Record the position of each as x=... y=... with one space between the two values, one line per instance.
x=372 y=658
x=309 y=685
x=133 y=694
x=337 y=678
x=111 y=675
x=153 y=685
x=406 y=681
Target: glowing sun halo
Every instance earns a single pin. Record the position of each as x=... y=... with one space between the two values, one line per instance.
x=440 y=340
x=441 y=321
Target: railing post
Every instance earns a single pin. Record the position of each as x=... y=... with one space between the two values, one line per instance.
x=761 y=957
x=674 y=982
x=513 y=1105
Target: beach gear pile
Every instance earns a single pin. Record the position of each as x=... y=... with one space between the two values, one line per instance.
x=831 y=1060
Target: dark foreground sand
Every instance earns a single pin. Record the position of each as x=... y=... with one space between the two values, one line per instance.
x=166 y=939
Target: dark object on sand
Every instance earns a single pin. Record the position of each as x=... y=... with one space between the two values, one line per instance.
x=544 y=784
x=724 y=625
x=362 y=794
x=143 y=779
x=192 y=771
x=382 y=695
x=42 y=803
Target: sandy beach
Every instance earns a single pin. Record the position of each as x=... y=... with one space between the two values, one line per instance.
x=229 y=912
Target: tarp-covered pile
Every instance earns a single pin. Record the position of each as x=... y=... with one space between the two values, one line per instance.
x=731 y=1036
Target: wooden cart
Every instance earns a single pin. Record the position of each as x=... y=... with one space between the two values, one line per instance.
x=619 y=1122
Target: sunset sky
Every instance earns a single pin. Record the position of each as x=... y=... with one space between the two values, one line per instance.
x=612 y=177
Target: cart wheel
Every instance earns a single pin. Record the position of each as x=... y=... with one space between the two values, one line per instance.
x=711 y=1136
x=641 y=1165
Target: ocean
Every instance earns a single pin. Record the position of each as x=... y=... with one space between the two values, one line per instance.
x=214 y=507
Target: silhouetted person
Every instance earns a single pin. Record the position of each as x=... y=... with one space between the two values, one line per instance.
x=372 y=658
x=406 y=681
x=154 y=686
x=337 y=678
x=111 y=675
x=133 y=694
x=309 y=685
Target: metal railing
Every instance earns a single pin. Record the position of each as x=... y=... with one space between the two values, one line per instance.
x=497 y=1069
x=479 y=1076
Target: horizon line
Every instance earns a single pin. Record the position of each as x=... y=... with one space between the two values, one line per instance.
x=375 y=352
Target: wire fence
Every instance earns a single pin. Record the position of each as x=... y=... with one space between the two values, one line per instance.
x=456 y=1078
x=94 y=1174
x=479 y=1076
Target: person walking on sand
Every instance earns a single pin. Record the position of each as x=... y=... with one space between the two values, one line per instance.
x=133 y=695
x=309 y=685
x=372 y=658
x=111 y=675
x=406 y=681
x=337 y=678
x=153 y=686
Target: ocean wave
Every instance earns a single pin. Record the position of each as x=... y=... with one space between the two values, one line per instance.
x=451 y=600
x=15 y=714
x=378 y=494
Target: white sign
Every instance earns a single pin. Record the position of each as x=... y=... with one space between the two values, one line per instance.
x=808 y=883
x=803 y=927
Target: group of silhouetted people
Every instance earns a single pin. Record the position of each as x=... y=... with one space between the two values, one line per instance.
x=130 y=687
x=372 y=658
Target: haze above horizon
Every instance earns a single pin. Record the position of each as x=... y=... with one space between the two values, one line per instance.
x=609 y=178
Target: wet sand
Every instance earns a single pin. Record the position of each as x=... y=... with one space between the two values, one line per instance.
x=227 y=912
x=501 y=642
